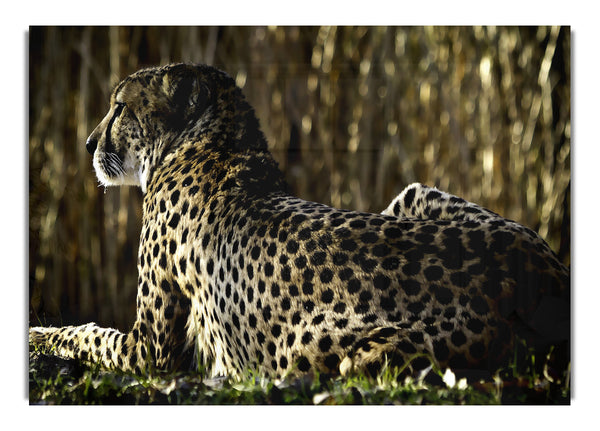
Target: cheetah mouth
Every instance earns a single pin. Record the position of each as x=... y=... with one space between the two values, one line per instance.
x=114 y=170
x=109 y=168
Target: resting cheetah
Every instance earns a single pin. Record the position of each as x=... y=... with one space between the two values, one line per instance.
x=234 y=273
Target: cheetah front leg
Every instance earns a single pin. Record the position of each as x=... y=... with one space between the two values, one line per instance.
x=90 y=343
x=158 y=340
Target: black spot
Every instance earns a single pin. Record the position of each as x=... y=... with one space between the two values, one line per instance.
x=411 y=268
x=276 y=330
x=366 y=264
x=347 y=340
x=300 y=262
x=361 y=308
x=365 y=296
x=342 y=232
x=339 y=258
x=327 y=296
x=174 y=197
x=415 y=307
x=286 y=273
x=324 y=343
x=345 y=274
x=433 y=273
x=353 y=285
x=390 y=263
x=341 y=323
x=381 y=250
x=318 y=258
x=369 y=237
x=304 y=234
x=411 y=287
x=479 y=305
x=296 y=318
x=460 y=279
x=370 y=318
x=388 y=303
x=307 y=288
x=163 y=261
x=285 y=304
x=340 y=307
x=303 y=364
x=451 y=232
x=266 y=313
x=348 y=245
x=358 y=224
x=308 y=306
x=443 y=295
x=475 y=325
x=458 y=338
x=409 y=197
x=306 y=338
x=392 y=232
x=381 y=282
x=416 y=337
x=174 y=220
x=272 y=250
x=318 y=319
x=292 y=246
x=283 y=362
x=424 y=238
x=326 y=275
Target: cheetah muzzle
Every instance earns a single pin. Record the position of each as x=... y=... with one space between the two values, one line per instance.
x=236 y=274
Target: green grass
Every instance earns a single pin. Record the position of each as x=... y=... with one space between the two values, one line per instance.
x=56 y=381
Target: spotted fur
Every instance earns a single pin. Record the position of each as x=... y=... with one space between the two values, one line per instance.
x=234 y=273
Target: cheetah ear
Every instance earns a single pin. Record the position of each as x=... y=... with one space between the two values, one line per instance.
x=189 y=96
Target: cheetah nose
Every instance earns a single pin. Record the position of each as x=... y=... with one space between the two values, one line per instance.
x=91 y=145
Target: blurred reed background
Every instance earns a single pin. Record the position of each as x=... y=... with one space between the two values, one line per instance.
x=352 y=115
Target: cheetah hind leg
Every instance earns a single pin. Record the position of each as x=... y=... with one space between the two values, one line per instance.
x=406 y=351
x=428 y=203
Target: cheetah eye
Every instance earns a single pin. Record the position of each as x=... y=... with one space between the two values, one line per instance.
x=118 y=109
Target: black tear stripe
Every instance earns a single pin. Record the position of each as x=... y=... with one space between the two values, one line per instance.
x=110 y=148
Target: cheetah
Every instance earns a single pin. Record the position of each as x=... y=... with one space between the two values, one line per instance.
x=234 y=273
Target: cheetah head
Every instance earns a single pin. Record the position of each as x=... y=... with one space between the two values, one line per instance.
x=149 y=112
